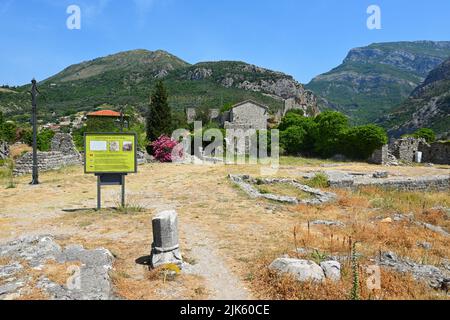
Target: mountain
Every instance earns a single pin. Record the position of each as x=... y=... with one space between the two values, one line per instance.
x=128 y=78
x=375 y=79
x=428 y=106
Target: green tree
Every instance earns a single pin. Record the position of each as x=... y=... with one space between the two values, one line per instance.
x=101 y=124
x=292 y=139
x=360 y=142
x=425 y=133
x=293 y=119
x=43 y=139
x=9 y=132
x=330 y=126
x=159 y=117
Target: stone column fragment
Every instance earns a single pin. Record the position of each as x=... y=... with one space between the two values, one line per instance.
x=165 y=247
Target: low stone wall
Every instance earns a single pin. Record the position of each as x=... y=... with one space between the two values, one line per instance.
x=441 y=183
x=46 y=161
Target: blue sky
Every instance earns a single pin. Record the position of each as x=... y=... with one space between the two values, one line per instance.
x=300 y=37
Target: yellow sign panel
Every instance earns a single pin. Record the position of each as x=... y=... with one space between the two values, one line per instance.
x=110 y=153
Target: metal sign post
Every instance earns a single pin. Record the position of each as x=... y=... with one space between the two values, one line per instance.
x=110 y=156
x=110 y=179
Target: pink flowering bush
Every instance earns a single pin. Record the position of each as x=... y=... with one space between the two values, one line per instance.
x=163 y=147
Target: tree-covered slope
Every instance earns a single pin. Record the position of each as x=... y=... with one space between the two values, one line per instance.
x=127 y=78
x=427 y=107
x=373 y=80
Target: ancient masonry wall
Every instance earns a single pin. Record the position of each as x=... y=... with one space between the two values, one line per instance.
x=440 y=183
x=63 y=154
x=405 y=150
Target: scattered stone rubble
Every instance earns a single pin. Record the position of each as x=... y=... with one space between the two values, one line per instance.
x=90 y=281
x=435 y=277
x=398 y=217
x=246 y=183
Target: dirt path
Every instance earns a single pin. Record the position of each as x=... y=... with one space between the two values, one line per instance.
x=222 y=283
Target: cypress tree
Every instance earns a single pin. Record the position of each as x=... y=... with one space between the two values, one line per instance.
x=159 y=117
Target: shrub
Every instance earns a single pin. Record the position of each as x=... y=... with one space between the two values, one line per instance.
x=426 y=134
x=360 y=142
x=162 y=149
x=320 y=180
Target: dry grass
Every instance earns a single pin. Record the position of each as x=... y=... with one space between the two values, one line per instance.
x=246 y=229
x=394 y=286
x=284 y=189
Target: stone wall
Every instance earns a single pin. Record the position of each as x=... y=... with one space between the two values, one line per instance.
x=63 y=154
x=441 y=183
x=248 y=115
x=405 y=149
x=380 y=156
x=437 y=152
x=4 y=150
x=46 y=161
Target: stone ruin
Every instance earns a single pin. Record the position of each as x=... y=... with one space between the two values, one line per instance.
x=381 y=179
x=165 y=246
x=247 y=184
x=63 y=153
x=405 y=150
x=4 y=150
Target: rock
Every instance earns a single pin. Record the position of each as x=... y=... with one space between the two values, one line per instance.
x=435 y=277
x=165 y=246
x=10 y=287
x=10 y=270
x=92 y=276
x=381 y=175
x=386 y=220
x=434 y=228
x=4 y=150
x=332 y=270
x=36 y=250
x=200 y=74
x=402 y=217
x=425 y=245
x=328 y=223
x=301 y=270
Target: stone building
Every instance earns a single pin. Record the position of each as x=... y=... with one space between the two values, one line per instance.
x=247 y=115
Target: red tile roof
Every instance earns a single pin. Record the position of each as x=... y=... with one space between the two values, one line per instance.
x=104 y=113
